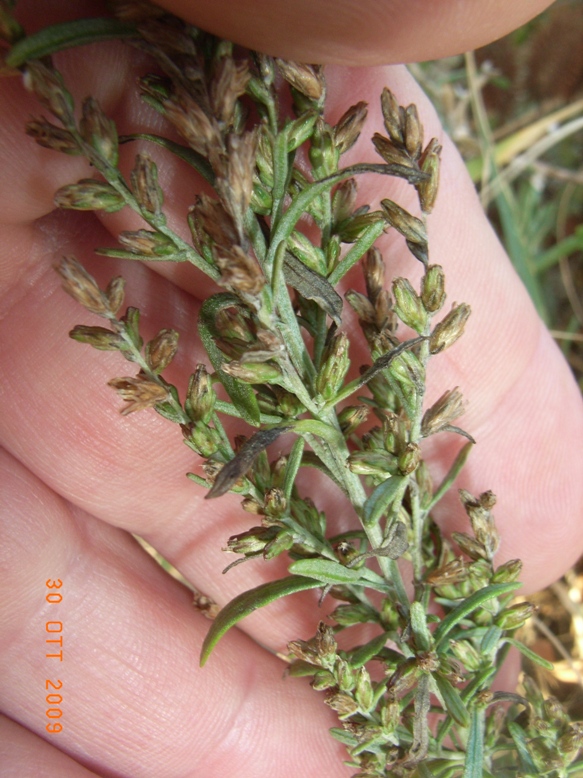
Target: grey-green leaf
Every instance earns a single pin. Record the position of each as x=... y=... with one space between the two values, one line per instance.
x=475 y=748
x=241 y=394
x=469 y=605
x=453 y=473
x=188 y=155
x=381 y=499
x=66 y=35
x=452 y=700
x=249 y=601
x=326 y=571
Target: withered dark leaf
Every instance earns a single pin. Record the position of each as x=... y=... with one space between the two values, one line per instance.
x=313 y=286
x=386 y=359
x=241 y=463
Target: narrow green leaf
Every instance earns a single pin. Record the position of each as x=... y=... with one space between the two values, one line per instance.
x=240 y=393
x=452 y=700
x=178 y=256
x=491 y=640
x=326 y=571
x=527 y=766
x=475 y=747
x=357 y=251
x=361 y=655
x=294 y=462
x=418 y=618
x=525 y=651
x=249 y=601
x=66 y=35
x=469 y=605
x=381 y=499
x=453 y=473
x=186 y=154
x=325 y=431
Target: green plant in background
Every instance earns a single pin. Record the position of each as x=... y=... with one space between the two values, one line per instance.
x=415 y=700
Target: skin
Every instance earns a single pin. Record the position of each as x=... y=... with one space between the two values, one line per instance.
x=77 y=477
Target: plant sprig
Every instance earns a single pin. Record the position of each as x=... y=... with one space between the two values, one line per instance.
x=276 y=340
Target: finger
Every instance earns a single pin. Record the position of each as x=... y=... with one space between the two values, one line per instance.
x=24 y=753
x=134 y=703
x=493 y=370
x=358 y=32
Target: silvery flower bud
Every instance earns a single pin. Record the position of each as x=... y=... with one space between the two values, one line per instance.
x=413 y=132
x=160 y=351
x=351 y=417
x=99 y=131
x=89 y=195
x=429 y=163
x=433 y=288
x=515 y=616
x=307 y=79
x=98 y=337
x=252 y=372
x=508 y=572
x=144 y=181
x=412 y=228
x=408 y=305
x=409 y=459
x=344 y=705
x=363 y=691
x=449 y=328
x=335 y=365
x=392 y=117
x=251 y=542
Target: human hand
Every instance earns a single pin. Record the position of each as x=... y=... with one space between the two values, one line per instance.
x=78 y=477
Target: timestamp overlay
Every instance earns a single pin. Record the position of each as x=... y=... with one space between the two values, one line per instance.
x=54 y=657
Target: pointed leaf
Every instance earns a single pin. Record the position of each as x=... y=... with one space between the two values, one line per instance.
x=242 y=461
x=361 y=655
x=452 y=700
x=381 y=499
x=532 y=655
x=249 y=601
x=475 y=747
x=313 y=286
x=527 y=766
x=66 y=35
x=326 y=571
x=453 y=473
x=241 y=394
x=469 y=605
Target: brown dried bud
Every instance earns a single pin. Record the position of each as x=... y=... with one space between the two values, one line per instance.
x=89 y=195
x=443 y=412
x=413 y=132
x=307 y=79
x=469 y=546
x=47 y=84
x=202 y=439
x=82 y=286
x=392 y=155
x=160 y=351
x=409 y=306
x=361 y=305
x=98 y=337
x=196 y=127
x=349 y=127
x=342 y=703
x=275 y=502
x=147 y=243
x=215 y=221
x=99 y=131
x=144 y=181
x=379 y=463
x=114 y=292
x=450 y=328
x=429 y=163
x=335 y=364
x=453 y=572
x=412 y=228
x=236 y=187
x=392 y=117
x=344 y=200
x=433 y=288
x=374 y=273
x=404 y=677
x=253 y=541
x=138 y=392
x=229 y=82
x=239 y=272
x=200 y=395
x=52 y=137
